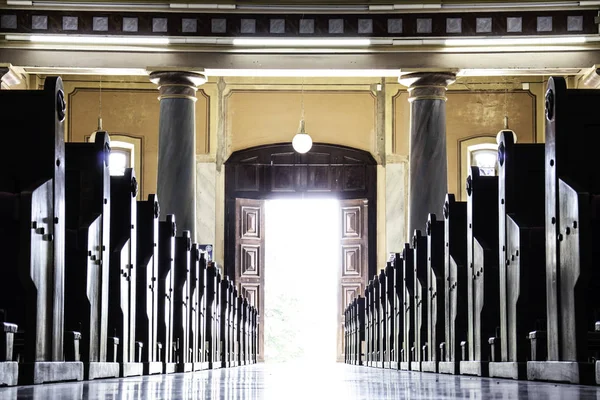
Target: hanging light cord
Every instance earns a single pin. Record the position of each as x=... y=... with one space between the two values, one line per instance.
x=506 y=106
x=302 y=100
x=100 y=105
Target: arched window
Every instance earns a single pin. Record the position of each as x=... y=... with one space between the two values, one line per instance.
x=120 y=159
x=480 y=151
x=125 y=153
x=485 y=157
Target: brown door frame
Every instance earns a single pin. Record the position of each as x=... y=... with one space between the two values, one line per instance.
x=276 y=171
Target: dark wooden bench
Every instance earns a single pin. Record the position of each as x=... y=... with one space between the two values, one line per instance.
x=482 y=260
x=181 y=301
x=167 y=230
x=435 y=293
x=32 y=234
x=87 y=260
x=571 y=225
x=122 y=274
x=455 y=287
x=420 y=299
x=522 y=258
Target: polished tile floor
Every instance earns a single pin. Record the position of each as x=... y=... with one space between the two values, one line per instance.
x=301 y=381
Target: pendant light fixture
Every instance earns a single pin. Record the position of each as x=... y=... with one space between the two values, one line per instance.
x=302 y=142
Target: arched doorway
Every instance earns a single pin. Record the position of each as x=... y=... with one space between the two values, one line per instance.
x=276 y=171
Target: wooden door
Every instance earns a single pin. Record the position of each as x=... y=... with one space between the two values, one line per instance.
x=250 y=258
x=353 y=260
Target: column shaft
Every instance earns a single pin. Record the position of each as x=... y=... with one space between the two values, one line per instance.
x=428 y=160
x=176 y=185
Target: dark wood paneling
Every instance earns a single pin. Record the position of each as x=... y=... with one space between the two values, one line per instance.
x=277 y=171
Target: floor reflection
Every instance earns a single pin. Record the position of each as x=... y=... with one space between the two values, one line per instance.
x=300 y=381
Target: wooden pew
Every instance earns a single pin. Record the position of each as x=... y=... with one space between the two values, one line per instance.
x=32 y=236
x=482 y=259
x=181 y=299
x=87 y=260
x=237 y=319
x=250 y=327
x=376 y=299
x=122 y=274
x=225 y=324
x=212 y=316
x=522 y=254
x=455 y=288
x=390 y=295
x=219 y=321
x=167 y=230
x=572 y=275
x=193 y=308
x=368 y=324
x=347 y=339
x=247 y=336
x=382 y=319
x=349 y=332
x=420 y=299
x=359 y=332
x=243 y=332
x=254 y=349
x=408 y=287
x=198 y=328
x=435 y=293
x=148 y=212
x=397 y=263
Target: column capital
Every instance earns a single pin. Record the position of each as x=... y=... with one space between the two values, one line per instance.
x=427 y=85
x=9 y=77
x=177 y=84
x=592 y=78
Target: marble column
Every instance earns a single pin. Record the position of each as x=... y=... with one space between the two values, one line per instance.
x=428 y=182
x=176 y=186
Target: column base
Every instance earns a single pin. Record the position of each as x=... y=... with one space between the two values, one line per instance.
x=510 y=370
x=169 y=368
x=429 y=366
x=131 y=369
x=394 y=365
x=415 y=365
x=449 y=367
x=50 y=371
x=561 y=371
x=98 y=370
x=477 y=368
x=200 y=366
x=9 y=373
x=225 y=364
x=185 y=367
x=405 y=366
x=214 y=365
x=152 y=368
x=379 y=364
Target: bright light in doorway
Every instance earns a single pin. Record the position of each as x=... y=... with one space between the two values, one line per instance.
x=301 y=280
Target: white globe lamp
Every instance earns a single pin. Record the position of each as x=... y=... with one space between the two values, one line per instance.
x=302 y=142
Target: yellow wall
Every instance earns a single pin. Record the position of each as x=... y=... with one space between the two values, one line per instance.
x=269 y=116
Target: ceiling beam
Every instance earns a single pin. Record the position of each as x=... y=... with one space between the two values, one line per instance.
x=538 y=62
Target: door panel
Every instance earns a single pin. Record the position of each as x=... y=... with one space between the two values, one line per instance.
x=250 y=257
x=353 y=260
